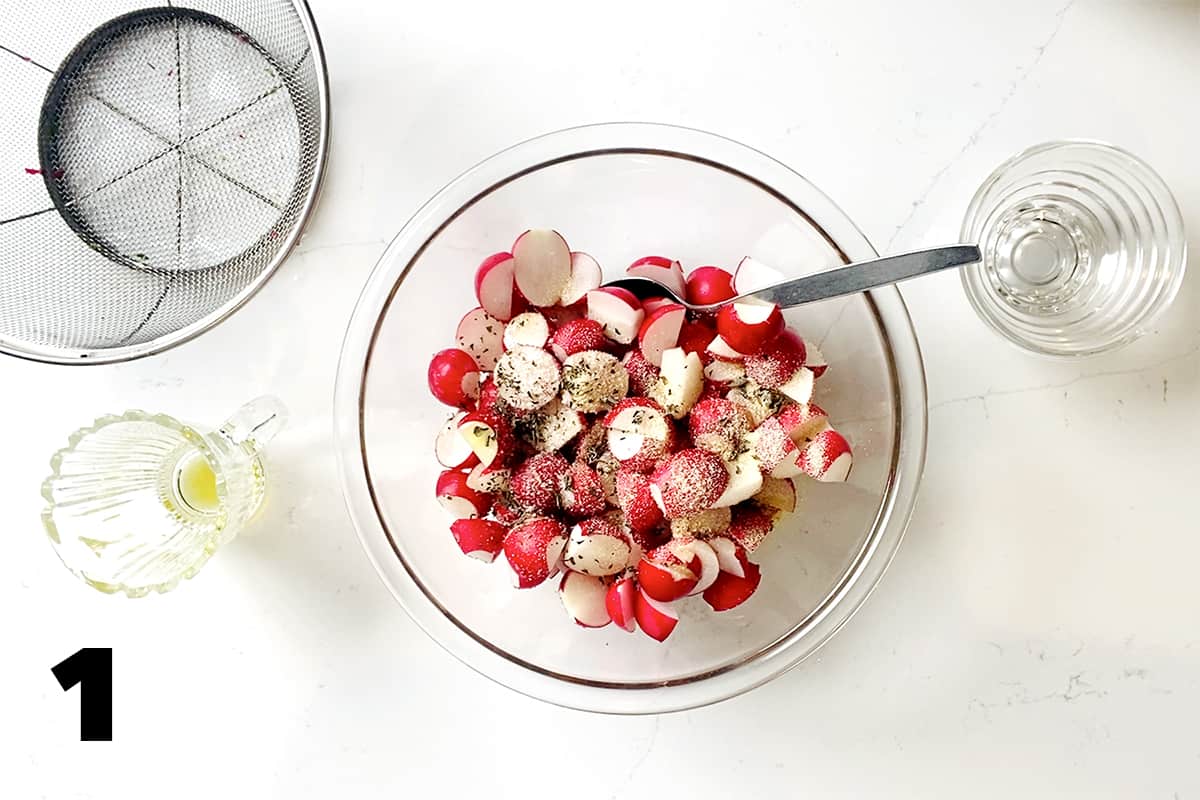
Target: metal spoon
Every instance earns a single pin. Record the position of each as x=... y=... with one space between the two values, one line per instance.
x=850 y=279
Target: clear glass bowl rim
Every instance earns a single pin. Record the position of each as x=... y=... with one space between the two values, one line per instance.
x=909 y=398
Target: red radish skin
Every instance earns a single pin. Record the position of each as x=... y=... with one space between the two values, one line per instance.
x=585 y=599
x=665 y=575
x=636 y=501
x=619 y=601
x=577 y=336
x=479 y=538
x=729 y=591
x=803 y=421
x=496 y=289
x=586 y=275
x=642 y=374
x=532 y=550
x=581 y=494
x=827 y=457
x=695 y=337
x=778 y=361
x=541 y=266
x=776 y=453
x=750 y=527
x=536 y=482
x=454 y=377
x=718 y=425
x=749 y=328
x=708 y=285
x=456 y=496
x=690 y=481
x=489 y=399
x=451 y=450
x=482 y=336
x=618 y=311
x=658 y=268
x=656 y=619
x=660 y=332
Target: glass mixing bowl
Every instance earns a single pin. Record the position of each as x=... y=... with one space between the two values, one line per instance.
x=621 y=191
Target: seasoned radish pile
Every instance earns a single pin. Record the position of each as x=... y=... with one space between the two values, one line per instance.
x=637 y=450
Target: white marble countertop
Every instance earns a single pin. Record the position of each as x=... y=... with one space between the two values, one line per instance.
x=1037 y=634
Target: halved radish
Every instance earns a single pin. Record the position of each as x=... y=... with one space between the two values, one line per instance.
x=638 y=432
x=689 y=481
x=617 y=310
x=803 y=421
x=490 y=478
x=725 y=374
x=660 y=331
x=731 y=556
x=584 y=597
x=532 y=550
x=597 y=546
x=527 y=377
x=620 y=601
x=745 y=479
x=541 y=266
x=708 y=285
x=495 y=287
x=593 y=381
x=535 y=483
x=749 y=327
x=667 y=272
x=777 y=362
x=582 y=492
x=453 y=451
x=664 y=575
x=526 y=330
x=642 y=374
x=479 y=538
x=751 y=275
x=454 y=377
x=482 y=336
x=827 y=457
x=458 y=498
x=656 y=619
x=730 y=591
x=721 y=349
x=575 y=336
x=489 y=435
x=585 y=276
x=691 y=549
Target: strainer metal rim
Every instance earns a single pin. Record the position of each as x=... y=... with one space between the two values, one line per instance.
x=13 y=346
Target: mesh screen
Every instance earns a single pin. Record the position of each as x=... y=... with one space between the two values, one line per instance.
x=154 y=163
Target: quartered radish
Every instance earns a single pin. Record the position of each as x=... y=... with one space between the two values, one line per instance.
x=532 y=550
x=729 y=591
x=749 y=327
x=584 y=597
x=575 y=336
x=479 y=538
x=814 y=360
x=656 y=619
x=618 y=311
x=459 y=499
x=745 y=479
x=799 y=387
x=620 y=600
x=827 y=457
x=680 y=382
x=489 y=436
x=720 y=349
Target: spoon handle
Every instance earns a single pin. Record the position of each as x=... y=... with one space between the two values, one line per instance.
x=865 y=275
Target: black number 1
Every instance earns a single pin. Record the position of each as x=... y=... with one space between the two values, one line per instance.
x=91 y=668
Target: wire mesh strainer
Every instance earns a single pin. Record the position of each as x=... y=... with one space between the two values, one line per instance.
x=156 y=165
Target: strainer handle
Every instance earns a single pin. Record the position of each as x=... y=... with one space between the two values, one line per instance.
x=256 y=423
